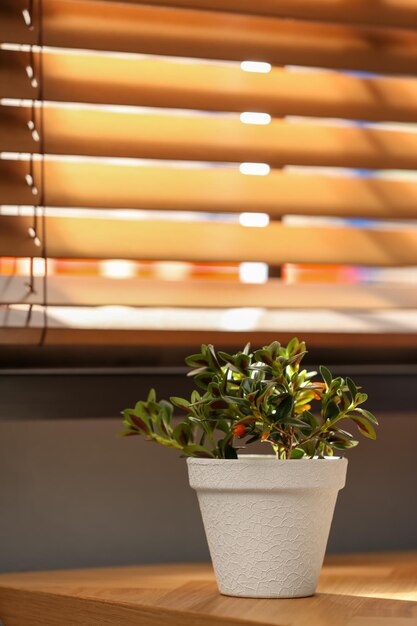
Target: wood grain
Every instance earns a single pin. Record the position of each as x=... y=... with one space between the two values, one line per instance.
x=358 y=590
x=20 y=335
x=215 y=190
x=92 y=238
x=101 y=133
x=155 y=82
x=214 y=34
x=213 y=294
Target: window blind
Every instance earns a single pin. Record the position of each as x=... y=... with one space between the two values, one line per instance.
x=186 y=170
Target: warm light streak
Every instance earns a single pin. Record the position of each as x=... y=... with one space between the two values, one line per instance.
x=250 y=117
x=254 y=169
x=170 y=270
x=241 y=319
x=254 y=220
x=23 y=267
x=117 y=269
x=255 y=273
x=256 y=66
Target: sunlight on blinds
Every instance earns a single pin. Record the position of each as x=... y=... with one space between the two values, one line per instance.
x=202 y=166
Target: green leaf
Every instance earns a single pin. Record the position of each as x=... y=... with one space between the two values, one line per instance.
x=227 y=358
x=235 y=400
x=196 y=360
x=242 y=361
x=199 y=370
x=352 y=387
x=370 y=416
x=166 y=409
x=195 y=396
x=140 y=424
x=297 y=453
x=214 y=389
x=212 y=356
x=293 y=421
x=181 y=403
x=332 y=411
x=326 y=375
x=274 y=349
x=365 y=428
x=292 y=346
x=284 y=410
x=343 y=433
x=296 y=359
x=263 y=356
x=182 y=433
x=264 y=395
x=342 y=444
x=310 y=419
x=346 y=401
x=251 y=397
x=309 y=448
x=223 y=426
x=219 y=404
x=361 y=398
x=203 y=380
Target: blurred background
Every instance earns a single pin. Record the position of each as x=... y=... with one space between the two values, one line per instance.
x=186 y=171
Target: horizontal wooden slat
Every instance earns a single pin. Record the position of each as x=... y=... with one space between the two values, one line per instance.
x=211 y=34
x=191 y=328
x=18 y=336
x=208 y=189
x=18 y=232
x=92 y=132
x=210 y=241
x=389 y=13
x=100 y=291
x=152 y=82
x=171 y=338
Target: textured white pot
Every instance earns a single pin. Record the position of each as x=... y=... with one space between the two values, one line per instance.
x=267 y=522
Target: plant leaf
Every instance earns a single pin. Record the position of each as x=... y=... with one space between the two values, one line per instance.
x=365 y=428
x=326 y=375
x=181 y=403
x=196 y=360
x=297 y=453
x=370 y=416
x=332 y=411
x=352 y=387
x=284 y=410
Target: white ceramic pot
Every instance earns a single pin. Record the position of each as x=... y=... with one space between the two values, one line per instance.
x=267 y=522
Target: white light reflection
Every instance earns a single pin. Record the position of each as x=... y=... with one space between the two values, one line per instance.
x=256 y=66
x=254 y=273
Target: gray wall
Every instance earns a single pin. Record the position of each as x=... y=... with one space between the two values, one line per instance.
x=73 y=494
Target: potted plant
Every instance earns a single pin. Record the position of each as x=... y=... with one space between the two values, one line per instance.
x=267 y=517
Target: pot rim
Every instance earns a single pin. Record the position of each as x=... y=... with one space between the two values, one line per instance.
x=263 y=458
x=266 y=473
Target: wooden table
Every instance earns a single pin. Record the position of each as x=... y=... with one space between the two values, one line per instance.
x=359 y=590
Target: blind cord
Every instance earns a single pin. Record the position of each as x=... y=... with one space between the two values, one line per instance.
x=36 y=126
x=42 y=176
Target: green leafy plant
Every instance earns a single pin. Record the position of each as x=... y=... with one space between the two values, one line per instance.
x=250 y=396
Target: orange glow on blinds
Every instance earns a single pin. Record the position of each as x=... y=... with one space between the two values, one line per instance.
x=134 y=128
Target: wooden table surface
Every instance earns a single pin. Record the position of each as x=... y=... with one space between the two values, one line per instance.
x=358 y=590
